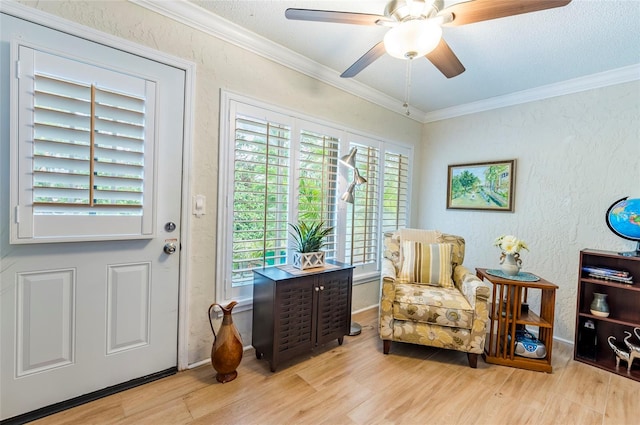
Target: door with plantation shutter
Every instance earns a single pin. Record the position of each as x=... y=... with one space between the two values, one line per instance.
x=91 y=194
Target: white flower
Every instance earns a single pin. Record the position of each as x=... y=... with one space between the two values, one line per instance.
x=509 y=244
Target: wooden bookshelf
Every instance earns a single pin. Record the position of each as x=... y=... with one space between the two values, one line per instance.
x=591 y=346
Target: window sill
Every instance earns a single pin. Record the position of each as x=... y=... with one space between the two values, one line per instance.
x=361 y=278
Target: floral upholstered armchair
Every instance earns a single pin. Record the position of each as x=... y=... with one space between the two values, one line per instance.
x=428 y=297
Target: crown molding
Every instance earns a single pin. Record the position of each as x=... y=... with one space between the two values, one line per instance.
x=589 y=82
x=29 y=13
x=198 y=18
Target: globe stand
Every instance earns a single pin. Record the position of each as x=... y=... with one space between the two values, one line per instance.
x=635 y=253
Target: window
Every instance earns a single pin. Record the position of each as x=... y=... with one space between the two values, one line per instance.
x=317 y=182
x=395 y=194
x=85 y=151
x=88 y=148
x=276 y=169
x=362 y=221
x=260 y=196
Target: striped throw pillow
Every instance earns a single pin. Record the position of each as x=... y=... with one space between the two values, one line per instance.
x=426 y=263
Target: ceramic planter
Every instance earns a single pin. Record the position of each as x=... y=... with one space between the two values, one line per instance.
x=308 y=260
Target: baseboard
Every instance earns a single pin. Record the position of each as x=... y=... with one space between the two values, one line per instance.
x=86 y=398
x=364 y=309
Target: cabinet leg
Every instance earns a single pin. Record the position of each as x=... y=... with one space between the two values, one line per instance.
x=340 y=340
x=259 y=355
x=473 y=360
x=386 y=346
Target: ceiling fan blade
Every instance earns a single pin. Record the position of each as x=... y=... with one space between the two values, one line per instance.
x=334 y=16
x=367 y=59
x=443 y=58
x=484 y=10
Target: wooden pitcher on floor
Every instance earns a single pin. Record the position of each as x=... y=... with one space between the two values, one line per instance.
x=226 y=351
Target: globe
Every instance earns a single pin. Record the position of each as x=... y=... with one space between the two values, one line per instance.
x=623 y=218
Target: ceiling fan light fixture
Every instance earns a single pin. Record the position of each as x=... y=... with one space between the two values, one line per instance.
x=416 y=7
x=412 y=38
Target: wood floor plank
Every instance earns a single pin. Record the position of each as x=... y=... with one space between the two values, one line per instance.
x=585 y=385
x=219 y=405
x=622 y=402
x=356 y=384
x=106 y=410
x=157 y=393
x=560 y=410
x=532 y=388
x=173 y=412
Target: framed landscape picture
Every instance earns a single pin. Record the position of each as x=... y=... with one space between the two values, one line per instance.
x=482 y=186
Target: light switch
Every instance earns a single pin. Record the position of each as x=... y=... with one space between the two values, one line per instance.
x=199 y=205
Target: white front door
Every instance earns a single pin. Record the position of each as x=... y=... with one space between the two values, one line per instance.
x=81 y=316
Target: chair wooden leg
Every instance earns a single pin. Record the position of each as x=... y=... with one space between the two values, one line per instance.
x=386 y=346
x=473 y=360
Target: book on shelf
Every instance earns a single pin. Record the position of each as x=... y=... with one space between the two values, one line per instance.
x=603 y=271
x=627 y=280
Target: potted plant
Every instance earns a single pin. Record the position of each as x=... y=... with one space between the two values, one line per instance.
x=309 y=238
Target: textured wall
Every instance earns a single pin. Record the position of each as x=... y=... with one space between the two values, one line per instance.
x=576 y=155
x=223 y=66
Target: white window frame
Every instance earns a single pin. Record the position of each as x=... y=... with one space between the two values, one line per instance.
x=230 y=102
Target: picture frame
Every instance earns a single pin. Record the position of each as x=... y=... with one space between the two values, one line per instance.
x=487 y=186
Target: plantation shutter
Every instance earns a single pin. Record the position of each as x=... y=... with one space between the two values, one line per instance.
x=395 y=194
x=88 y=148
x=85 y=153
x=362 y=241
x=278 y=168
x=260 y=195
x=317 y=182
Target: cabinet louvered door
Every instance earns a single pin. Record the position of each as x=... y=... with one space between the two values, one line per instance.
x=295 y=332
x=334 y=306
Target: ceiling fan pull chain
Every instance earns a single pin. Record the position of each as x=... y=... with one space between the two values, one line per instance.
x=408 y=89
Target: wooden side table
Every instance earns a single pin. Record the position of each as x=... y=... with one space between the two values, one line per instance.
x=506 y=315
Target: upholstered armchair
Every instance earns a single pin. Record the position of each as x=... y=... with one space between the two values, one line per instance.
x=428 y=297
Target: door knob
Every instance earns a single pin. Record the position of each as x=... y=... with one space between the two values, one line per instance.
x=170 y=248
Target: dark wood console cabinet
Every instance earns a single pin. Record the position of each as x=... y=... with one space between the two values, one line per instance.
x=295 y=311
x=592 y=331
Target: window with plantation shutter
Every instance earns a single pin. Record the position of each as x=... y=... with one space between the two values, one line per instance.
x=88 y=149
x=395 y=195
x=362 y=223
x=278 y=168
x=260 y=195
x=85 y=152
x=318 y=182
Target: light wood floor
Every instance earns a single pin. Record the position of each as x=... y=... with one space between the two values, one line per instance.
x=356 y=384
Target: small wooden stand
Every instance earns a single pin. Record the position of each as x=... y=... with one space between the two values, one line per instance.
x=506 y=315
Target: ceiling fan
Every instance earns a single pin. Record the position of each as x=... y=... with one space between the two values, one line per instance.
x=415 y=27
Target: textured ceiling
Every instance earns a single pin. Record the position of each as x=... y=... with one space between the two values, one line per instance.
x=501 y=56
